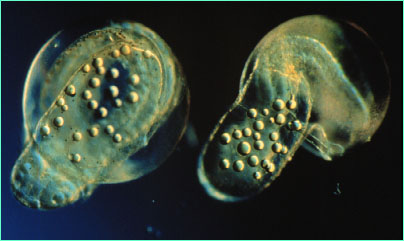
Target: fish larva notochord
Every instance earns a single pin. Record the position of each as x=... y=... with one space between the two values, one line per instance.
x=313 y=82
x=108 y=107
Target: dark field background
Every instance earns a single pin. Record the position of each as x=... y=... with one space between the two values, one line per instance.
x=212 y=41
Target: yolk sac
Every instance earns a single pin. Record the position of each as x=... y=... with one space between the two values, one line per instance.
x=312 y=82
x=103 y=106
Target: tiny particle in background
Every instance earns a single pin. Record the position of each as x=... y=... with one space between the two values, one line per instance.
x=337 y=192
x=153 y=232
x=149 y=229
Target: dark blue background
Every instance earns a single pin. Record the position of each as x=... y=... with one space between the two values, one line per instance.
x=212 y=41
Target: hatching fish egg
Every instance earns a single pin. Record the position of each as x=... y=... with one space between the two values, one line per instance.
x=72 y=152
x=319 y=83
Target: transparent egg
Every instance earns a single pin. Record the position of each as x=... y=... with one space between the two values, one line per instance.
x=104 y=106
x=312 y=82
